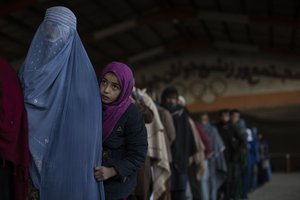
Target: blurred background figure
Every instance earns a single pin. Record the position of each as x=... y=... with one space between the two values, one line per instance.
x=184 y=145
x=14 y=151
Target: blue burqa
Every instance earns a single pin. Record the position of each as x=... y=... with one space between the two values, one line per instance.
x=64 y=111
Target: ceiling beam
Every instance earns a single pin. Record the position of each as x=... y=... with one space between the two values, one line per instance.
x=185 y=45
x=170 y=47
x=147 y=54
x=190 y=13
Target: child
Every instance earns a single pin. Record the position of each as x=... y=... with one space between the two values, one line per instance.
x=124 y=133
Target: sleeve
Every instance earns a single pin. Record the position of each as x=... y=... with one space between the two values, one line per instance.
x=205 y=139
x=169 y=126
x=136 y=146
x=192 y=143
x=219 y=146
x=146 y=111
x=241 y=139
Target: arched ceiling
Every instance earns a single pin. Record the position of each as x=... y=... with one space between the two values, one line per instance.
x=144 y=31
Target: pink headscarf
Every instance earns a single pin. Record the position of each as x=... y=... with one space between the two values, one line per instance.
x=113 y=111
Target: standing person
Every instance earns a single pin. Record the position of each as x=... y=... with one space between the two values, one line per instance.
x=144 y=183
x=264 y=167
x=64 y=111
x=124 y=133
x=216 y=170
x=197 y=161
x=241 y=169
x=232 y=142
x=170 y=135
x=14 y=152
x=184 y=144
x=254 y=149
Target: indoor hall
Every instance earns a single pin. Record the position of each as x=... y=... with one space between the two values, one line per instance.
x=237 y=59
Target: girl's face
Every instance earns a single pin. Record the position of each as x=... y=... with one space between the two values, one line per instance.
x=109 y=88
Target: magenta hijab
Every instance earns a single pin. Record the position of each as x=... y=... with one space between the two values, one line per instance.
x=112 y=112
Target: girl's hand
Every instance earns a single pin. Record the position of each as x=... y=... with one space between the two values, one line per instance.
x=103 y=173
x=132 y=99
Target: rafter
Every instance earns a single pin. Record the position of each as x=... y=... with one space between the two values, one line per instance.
x=185 y=14
x=188 y=45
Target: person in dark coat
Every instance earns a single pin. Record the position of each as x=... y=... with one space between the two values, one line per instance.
x=241 y=167
x=233 y=145
x=143 y=188
x=124 y=133
x=184 y=145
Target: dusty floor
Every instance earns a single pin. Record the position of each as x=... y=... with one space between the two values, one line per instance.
x=281 y=187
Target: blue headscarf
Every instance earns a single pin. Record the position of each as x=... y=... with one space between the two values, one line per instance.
x=64 y=111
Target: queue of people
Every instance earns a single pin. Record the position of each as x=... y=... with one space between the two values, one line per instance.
x=219 y=160
x=66 y=133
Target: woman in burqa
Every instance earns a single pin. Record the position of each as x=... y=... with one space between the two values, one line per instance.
x=64 y=111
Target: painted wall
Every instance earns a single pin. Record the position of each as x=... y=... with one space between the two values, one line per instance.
x=206 y=78
x=266 y=90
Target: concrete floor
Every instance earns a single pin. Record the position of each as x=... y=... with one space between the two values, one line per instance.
x=281 y=187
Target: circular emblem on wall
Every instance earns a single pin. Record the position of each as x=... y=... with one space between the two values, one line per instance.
x=208 y=91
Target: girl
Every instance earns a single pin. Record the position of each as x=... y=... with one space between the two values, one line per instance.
x=124 y=133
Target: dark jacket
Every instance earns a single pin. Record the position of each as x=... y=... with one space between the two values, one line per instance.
x=125 y=150
x=184 y=145
x=232 y=141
